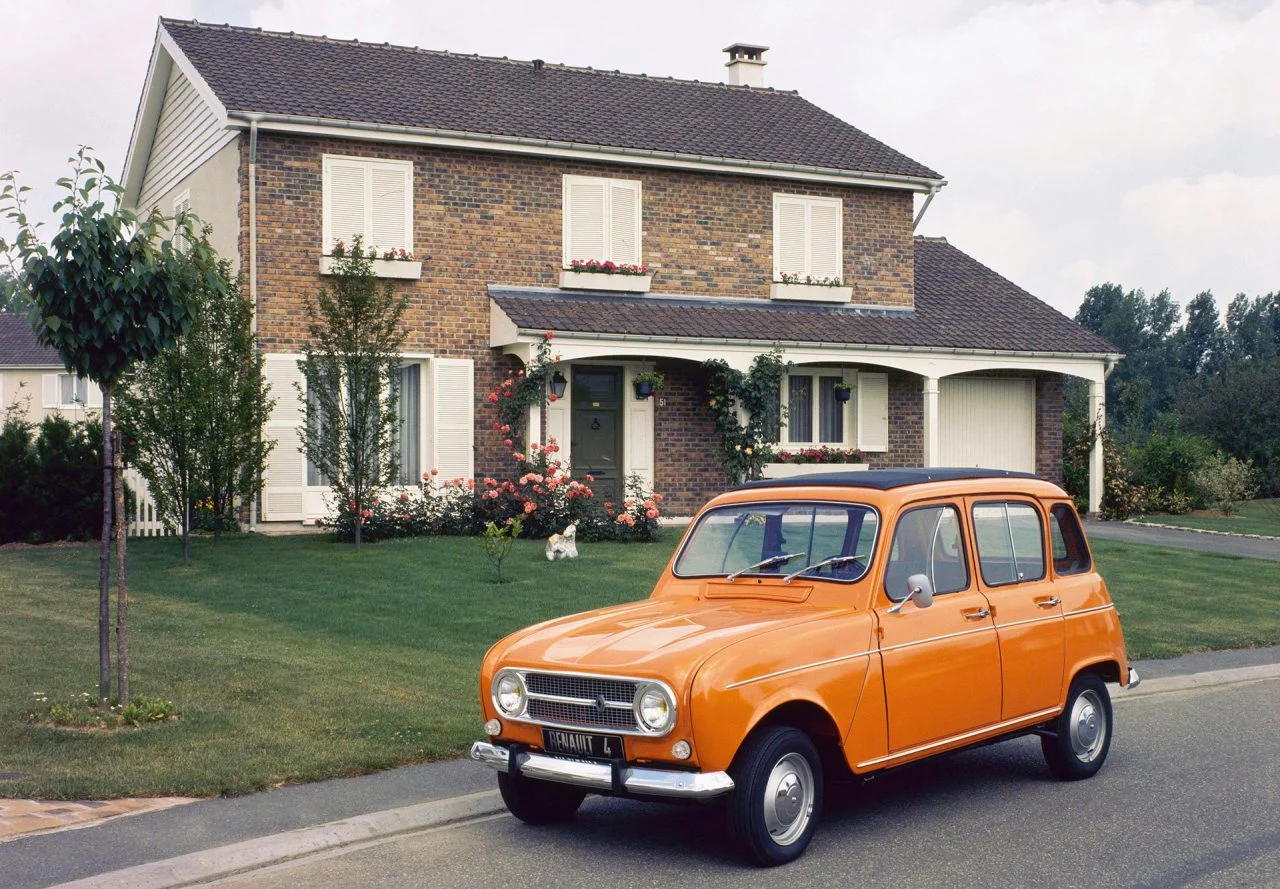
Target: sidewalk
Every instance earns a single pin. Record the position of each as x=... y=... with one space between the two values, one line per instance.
x=169 y=844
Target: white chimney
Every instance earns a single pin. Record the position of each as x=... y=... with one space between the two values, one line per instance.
x=746 y=64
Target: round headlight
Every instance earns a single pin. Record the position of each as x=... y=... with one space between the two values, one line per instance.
x=509 y=693
x=654 y=707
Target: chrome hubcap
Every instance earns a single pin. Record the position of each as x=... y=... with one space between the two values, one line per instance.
x=1088 y=726
x=788 y=799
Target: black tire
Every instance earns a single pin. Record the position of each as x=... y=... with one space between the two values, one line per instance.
x=1082 y=732
x=539 y=802
x=777 y=795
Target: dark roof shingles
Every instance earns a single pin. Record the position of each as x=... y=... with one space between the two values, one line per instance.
x=18 y=346
x=960 y=304
x=267 y=72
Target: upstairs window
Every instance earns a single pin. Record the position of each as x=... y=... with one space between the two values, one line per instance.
x=808 y=238
x=369 y=198
x=601 y=220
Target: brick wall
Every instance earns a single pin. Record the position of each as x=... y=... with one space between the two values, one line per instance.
x=1049 y=427
x=906 y=423
x=686 y=443
x=483 y=218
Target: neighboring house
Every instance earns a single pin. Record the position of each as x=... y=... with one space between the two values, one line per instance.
x=34 y=381
x=498 y=174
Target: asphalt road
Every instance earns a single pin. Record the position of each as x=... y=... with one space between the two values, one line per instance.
x=1189 y=797
x=1227 y=544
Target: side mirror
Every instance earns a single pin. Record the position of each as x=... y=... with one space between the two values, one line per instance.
x=921 y=593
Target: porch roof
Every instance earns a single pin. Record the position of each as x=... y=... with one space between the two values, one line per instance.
x=959 y=304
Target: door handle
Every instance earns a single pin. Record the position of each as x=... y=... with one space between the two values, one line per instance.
x=1051 y=602
x=976 y=614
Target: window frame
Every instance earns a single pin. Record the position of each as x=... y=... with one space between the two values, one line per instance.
x=607 y=184
x=964 y=549
x=327 y=236
x=181 y=202
x=849 y=417
x=1005 y=502
x=78 y=382
x=809 y=201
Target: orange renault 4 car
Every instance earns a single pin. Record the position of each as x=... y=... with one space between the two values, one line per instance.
x=836 y=623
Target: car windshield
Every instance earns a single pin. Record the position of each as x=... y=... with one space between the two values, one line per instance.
x=828 y=541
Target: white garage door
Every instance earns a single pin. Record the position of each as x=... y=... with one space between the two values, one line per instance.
x=987 y=422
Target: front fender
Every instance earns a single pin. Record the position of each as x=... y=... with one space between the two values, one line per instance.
x=823 y=663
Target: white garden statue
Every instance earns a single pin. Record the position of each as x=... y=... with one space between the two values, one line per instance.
x=563 y=546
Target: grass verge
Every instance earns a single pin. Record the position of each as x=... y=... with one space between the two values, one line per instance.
x=1254 y=517
x=293 y=659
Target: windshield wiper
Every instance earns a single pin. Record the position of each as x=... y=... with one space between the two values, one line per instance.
x=834 y=560
x=781 y=559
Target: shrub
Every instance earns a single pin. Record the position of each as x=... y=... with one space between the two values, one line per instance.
x=50 y=486
x=542 y=495
x=1168 y=461
x=1121 y=496
x=496 y=542
x=638 y=517
x=1226 y=481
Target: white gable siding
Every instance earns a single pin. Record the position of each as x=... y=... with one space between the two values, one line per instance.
x=187 y=134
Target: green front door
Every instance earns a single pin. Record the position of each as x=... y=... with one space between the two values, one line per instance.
x=596 y=429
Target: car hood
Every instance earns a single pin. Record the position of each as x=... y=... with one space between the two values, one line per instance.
x=657 y=638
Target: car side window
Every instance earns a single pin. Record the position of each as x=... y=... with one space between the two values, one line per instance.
x=927 y=541
x=1070 y=555
x=1010 y=541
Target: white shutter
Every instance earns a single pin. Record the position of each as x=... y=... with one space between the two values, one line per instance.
x=788 y=236
x=824 y=239
x=453 y=417
x=389 y=200
x=94 y=394
x=624 y=222
x=49 y=388
x=638 y=457
x=285 y=481
x=345 y=209
x=873 y=412
x=584 y=219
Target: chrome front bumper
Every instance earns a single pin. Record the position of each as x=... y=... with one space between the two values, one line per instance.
x=599 y=775
x=1134 y=678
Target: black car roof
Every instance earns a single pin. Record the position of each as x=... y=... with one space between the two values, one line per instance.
x=883 y=479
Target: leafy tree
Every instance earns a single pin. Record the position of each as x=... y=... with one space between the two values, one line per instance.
x=1253 y=328
x=1240 y=411
x=11 y=299
x=746 y=442
x=194 y=413
x=1201 y=341
x=351 y=367
x=108 y=290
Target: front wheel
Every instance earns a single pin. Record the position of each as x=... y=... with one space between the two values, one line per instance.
x=1081 y=733
x=777 y=795
x=539 y=802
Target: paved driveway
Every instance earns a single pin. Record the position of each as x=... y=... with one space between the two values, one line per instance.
x=1211 y=543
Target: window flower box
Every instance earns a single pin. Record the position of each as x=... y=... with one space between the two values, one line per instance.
x=791 y=470
x=825 y=293
x=592 y=274
x=403 y=269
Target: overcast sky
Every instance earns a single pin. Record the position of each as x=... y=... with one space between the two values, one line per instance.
x=1083 y=141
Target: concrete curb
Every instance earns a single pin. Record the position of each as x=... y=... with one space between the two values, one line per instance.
x=1190 y=681
x=226 y=861
x=250 y=855
x=1138 y=524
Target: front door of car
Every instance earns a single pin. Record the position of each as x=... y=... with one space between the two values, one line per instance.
x=941 y=663
x=1009 y=538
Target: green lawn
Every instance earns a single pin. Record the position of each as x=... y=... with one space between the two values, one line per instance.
x=1254 y=517
x=293 y=659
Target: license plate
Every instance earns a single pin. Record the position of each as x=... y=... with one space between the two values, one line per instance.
x=581 y=744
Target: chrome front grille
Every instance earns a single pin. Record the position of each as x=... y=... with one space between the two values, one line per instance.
x=590 y=702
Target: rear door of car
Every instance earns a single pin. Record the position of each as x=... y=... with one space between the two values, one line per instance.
x=1013 y=572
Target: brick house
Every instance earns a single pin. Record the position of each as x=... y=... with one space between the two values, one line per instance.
x=498 y=174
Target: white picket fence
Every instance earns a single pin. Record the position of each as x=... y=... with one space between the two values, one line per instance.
x=144 y=520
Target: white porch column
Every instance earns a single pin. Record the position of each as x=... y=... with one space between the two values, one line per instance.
x=1098 y=412
x=932 y=445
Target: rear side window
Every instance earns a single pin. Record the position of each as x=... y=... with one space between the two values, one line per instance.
x=1010 y=541
x=1070 y=555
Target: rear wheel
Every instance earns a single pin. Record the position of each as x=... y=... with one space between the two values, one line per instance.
x=539 y=802
x=777 y=795
x=1082 y=732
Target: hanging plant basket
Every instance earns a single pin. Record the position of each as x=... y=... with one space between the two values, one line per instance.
x=842 y=395
x=643 y=390
x=646 y=383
